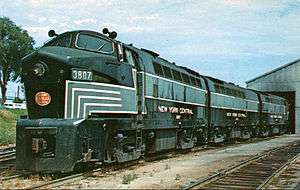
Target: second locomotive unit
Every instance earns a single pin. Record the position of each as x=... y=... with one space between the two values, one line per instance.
x=91 y=98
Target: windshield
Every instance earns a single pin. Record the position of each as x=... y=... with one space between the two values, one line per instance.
x=94 y=43
x=63 y=40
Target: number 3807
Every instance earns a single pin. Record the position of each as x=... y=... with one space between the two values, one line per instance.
x=82 y=75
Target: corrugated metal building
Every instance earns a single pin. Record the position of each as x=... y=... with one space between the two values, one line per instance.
x=283 y=81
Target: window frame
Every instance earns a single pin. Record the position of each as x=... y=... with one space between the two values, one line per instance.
x=96 y=36
x=184 y=77
x=193 y=81
x=161 y=69
x=199 y=84
x=125 y=57
x=179 y=74
x=165 y=73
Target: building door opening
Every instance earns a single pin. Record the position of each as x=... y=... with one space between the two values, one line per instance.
x=290 y=96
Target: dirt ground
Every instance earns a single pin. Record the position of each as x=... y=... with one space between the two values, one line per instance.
x=179 y=171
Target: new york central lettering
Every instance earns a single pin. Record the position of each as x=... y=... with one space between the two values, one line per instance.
x=172 y=109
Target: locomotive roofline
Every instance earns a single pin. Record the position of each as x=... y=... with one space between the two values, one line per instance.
x=79 y=31
x=146 y=56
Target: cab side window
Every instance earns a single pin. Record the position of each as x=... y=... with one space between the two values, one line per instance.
x=158 y=69
x=129 y=58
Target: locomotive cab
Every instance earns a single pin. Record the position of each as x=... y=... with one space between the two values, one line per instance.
x=79 y=56
x=74 y=76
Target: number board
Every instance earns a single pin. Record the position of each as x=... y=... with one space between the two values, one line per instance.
x=78 y=74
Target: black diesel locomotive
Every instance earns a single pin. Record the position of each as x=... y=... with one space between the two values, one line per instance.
x=93 y=99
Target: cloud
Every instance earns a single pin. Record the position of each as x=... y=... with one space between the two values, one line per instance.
x=85 y=21
x=38 y=29
x=153 y=17
x=221 y=48
x=134 y=29
x=195 y=30
x=36 y=2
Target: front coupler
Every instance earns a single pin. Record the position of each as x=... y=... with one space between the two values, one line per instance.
x=47 y=145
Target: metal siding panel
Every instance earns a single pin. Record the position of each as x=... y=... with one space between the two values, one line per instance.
x=178 y=92
x=149 y=85
x=195 y=96
x=163 y=88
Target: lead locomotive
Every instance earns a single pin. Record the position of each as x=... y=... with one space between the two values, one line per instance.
x=93 y=99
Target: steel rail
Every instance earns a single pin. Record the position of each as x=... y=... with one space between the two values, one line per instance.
x=7 y=149
x=278 y=172
x=11 y=177
x=7 y=154
x=63 y=180
x=220 y=174
x=73 y=177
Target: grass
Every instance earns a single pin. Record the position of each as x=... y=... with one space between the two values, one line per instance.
x=8 y=119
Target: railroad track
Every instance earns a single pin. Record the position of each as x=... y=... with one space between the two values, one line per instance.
x=57 y=181
x=7 y=154
x=288 y=178
x=63 y=180
x=7 y=157
x=254 y=173
x=78 y=176
x=68 y=178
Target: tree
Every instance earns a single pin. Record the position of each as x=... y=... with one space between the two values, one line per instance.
x=15 y=43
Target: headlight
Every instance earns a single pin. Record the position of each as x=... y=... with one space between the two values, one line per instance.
x=39 y=69
x=42 y=98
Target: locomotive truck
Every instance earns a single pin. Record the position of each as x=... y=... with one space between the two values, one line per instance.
x=94 y=99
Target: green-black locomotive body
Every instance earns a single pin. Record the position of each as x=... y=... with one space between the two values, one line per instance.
x=93 y=99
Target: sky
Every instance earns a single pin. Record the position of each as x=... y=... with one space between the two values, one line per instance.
x=231 y=40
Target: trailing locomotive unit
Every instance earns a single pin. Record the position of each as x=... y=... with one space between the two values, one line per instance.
x=91 y=98
x=237 y=112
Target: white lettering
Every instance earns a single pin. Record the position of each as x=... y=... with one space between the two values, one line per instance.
x=175 y=110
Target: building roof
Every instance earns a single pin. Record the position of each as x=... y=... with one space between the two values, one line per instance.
x=273 y=71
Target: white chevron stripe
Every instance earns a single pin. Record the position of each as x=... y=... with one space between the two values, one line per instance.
x=103 y=84
x=92 y=98
x=87 y=90
x=78 y=121
x=108 y=111
x=98 y=105
x=66 y=98
x=71 y=88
